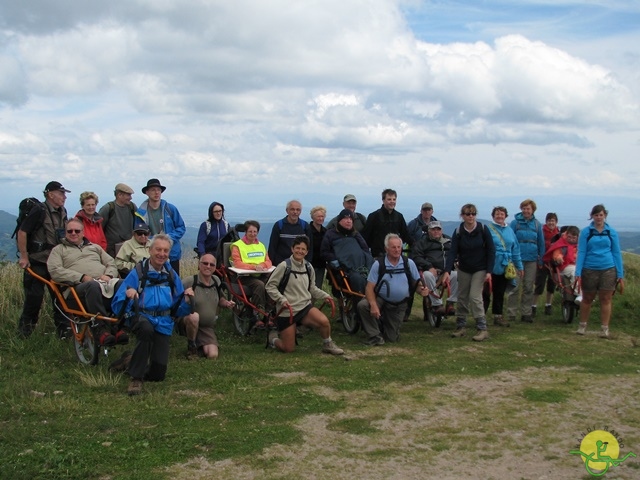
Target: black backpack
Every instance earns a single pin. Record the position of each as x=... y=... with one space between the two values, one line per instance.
x=287 y=273
x=28 y=206
x=382 y=270
x=595 y=233
x=142 y=269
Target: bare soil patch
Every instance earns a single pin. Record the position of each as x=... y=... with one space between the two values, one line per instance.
x=465 y=427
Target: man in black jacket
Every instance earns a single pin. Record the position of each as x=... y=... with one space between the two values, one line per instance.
x=384 y=221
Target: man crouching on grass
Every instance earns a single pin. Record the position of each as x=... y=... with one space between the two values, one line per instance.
x=159 y=293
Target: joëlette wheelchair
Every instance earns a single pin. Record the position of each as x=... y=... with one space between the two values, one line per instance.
x=83 y=324
x=346 y=298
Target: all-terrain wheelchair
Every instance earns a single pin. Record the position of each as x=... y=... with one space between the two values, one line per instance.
x=83 y=324
x=567 y=290
x=346 y=298
x=246 y=315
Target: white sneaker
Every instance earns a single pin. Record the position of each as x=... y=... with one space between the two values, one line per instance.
x=582 y=329
x=605 y=332
x=332 y=348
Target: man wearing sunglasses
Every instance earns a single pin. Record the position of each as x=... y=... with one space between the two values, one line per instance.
x=203 y=294
x=93 y=274
x=133 y=250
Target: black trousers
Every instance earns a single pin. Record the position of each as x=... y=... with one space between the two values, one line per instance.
x=33 y=296
x=151 y=355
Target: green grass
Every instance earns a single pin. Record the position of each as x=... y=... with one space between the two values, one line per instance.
x=61 y=420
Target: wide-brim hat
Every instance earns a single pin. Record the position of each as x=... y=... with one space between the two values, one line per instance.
x=154 y=182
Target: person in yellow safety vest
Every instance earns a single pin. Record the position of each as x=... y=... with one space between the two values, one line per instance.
x=249 y=253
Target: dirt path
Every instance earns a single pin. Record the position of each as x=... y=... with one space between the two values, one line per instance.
x=457 y=428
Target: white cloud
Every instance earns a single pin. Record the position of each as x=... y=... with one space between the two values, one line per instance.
x=264 y=92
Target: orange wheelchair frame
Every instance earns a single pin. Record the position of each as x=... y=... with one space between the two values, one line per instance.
x=347 y=299
x=81 y=322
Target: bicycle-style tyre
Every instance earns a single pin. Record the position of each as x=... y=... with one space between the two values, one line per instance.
x=568 y=311
x=349 y=315
x=243 y=319
x=87 y=348
x=434 y=319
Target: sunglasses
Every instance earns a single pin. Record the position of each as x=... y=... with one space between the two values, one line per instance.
x=74 y=231
x=208 y=264
x=472 y=214
x=142 y=234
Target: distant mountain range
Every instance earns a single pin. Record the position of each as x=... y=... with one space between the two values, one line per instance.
x=629 y=241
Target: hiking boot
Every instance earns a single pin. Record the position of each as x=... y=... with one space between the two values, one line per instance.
x=375 y=341
x=122 y=338
x=273 y=336
x=500 y=322
x=104 y=336
x=64 y=333
x=122 y=363
x=605 y=332
x=332 y=348
x=534 y=308
x=192 y=350
x=135 y=387
x=480 y=336
x=582 y=329
x=526 y=319
x=451 y=308
x=460 y=332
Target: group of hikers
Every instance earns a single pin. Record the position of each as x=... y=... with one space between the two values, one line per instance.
x=126 y=258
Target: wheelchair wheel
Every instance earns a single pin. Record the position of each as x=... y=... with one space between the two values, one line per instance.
x=434 y=320
x=568 y=311
x=87 y=348
x=349 y=315
x=243 y=319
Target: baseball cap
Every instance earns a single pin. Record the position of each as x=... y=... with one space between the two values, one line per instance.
x=140 y=226
x=348 y=197
x=53 y=186
x=435 y=224
x=427 y=206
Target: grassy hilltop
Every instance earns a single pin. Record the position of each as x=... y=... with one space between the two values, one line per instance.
x=427 y=407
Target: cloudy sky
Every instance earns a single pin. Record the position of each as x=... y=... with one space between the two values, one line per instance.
x=257 y=101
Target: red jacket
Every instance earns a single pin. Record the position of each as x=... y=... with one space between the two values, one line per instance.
x=561 y=253
x=548 y=235
x=93 y=228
